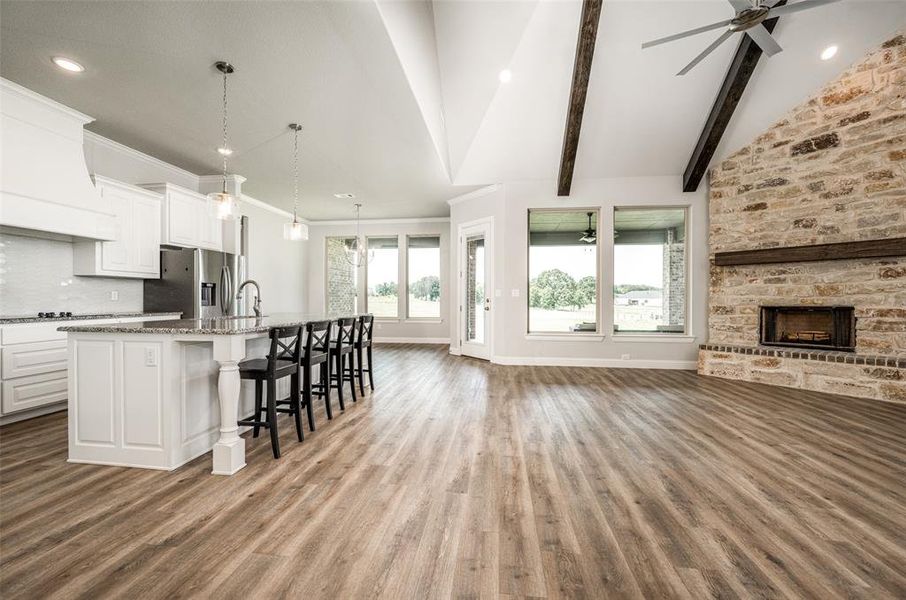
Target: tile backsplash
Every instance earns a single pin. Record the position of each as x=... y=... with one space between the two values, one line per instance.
x=36 y=275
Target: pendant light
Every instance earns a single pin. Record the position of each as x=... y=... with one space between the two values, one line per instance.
x=357 y=254
x=222 y=204
x=295 y=230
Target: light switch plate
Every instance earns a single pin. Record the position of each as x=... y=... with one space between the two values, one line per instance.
x=514 y=293
x=114 y=295
x=150 y=357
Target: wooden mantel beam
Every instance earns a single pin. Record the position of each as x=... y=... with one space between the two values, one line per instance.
x=585 y=51
x=741 y=68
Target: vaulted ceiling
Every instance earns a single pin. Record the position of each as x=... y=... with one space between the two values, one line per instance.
x=400 y=101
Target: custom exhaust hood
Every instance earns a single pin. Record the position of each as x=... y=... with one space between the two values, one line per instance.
x=44 y=183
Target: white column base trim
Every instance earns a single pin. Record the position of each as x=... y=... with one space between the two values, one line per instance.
x=229 y=457
x=609 y=363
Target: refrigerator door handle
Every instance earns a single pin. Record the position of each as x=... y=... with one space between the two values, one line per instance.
x=226 y=291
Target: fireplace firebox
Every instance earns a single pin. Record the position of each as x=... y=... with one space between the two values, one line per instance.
x=824 y=327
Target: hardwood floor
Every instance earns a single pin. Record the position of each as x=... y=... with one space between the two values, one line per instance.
x=460 y=478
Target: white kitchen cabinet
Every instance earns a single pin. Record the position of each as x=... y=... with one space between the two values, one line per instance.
x=186 y=221
x=33 y=364
x=136 y=250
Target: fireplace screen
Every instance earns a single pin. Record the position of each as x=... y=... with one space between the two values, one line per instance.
x=827 y=327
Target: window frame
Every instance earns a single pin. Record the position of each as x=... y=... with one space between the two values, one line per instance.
x=399 y=268
x=598 y=333
x=686 y=334
x=405 y=267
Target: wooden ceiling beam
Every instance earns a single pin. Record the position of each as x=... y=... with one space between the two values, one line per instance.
x=585 y=51
x=741 y=68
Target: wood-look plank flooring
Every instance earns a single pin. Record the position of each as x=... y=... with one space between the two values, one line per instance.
x=457 y=478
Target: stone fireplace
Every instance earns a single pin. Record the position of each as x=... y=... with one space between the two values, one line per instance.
x=831 y=172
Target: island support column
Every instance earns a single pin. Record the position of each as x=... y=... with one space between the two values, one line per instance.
x=229 y=451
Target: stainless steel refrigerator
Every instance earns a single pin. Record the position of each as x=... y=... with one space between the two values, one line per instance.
x=201 y=284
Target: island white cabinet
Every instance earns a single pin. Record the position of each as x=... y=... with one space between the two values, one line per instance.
x=136 y=250
x=186 y=221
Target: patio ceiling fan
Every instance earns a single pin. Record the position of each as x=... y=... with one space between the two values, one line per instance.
x=589 y=236
x=749 y=17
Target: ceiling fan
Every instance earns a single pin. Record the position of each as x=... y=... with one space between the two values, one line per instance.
x=589 y=236
x=748 y=19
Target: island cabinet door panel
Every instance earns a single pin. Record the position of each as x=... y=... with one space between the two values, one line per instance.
x=94 y=393
x=142 y=396
x=199 y=405
x=33 y=391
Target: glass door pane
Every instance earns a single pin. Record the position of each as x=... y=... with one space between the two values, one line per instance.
x=475 y=289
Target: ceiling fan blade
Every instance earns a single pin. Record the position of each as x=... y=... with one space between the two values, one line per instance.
x=791 y=8
x=764 y=39
x=723 y=38
x=678 y=36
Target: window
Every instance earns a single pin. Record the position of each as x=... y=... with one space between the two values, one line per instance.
x=382 y=275
x=563 y=271
x=342 y=276
x=649 y=291
x=423 y=277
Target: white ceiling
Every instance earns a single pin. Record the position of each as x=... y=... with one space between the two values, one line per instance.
x=400 y=101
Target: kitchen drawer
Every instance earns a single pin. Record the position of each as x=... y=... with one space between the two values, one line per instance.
x=34 y=391
x=26 y=333
x=31 y=359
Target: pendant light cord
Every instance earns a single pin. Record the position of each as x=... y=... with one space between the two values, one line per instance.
x=295 y=174
x=225 y=149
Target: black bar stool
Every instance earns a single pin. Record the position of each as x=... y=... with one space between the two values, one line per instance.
x=282 y=361
x=340 y=349
x=363 y=343
x=316 y=352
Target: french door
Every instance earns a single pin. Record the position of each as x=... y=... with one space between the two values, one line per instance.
x=475 y=289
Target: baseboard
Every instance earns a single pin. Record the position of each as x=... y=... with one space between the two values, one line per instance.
x=31 y=414
x=609 y=363
x=410 y=340
x=455 y=351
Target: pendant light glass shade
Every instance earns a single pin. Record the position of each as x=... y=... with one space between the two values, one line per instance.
x=222 y=204
x=357 y=252
x=295 y=230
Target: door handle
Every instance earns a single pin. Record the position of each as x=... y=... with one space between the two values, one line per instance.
x=487 y=304
x=226 y=291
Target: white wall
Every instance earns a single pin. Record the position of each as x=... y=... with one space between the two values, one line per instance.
x=401 y=329
x=509 y=205
x=278 y=265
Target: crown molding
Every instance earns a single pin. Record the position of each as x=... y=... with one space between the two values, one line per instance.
x=412 y=221
x=480 y=192
x=270 y=207
x=15 y=88
x=138 y=155
x=219 y=177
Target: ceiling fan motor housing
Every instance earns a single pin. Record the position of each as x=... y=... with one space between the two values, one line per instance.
x=748 y=18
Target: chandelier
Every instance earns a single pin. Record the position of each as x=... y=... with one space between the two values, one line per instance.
x=357 y=253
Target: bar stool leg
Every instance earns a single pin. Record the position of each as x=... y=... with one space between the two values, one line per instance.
x=340 y=367
x=351 y=375
x=307 y=396
x=296 y=404
x=361 y=369
x=272 y=416
x=259 y=407
x=370 y=370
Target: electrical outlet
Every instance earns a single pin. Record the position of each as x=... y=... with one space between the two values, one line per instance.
x=150 y=357
x=625 y=357
x=514 y=293
x=114 y=295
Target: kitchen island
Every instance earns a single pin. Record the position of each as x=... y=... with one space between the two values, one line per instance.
x=158 y=394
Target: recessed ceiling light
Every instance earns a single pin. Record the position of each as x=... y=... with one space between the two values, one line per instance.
x=505 y=76
x=829 y=53
x=344 y=196
x=68 y=64
x=224 y=151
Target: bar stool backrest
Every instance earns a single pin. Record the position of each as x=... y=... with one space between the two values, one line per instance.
x=366 y=324
x=345 y=331
x=286 y=344
x=318 y=337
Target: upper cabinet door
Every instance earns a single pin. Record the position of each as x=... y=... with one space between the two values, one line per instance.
x=146 y=236
x=210 y=230
x=184 y=212
x=116 y=255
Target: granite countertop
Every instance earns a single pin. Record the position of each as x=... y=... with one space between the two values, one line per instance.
x=33 y=319
x=217 y=326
